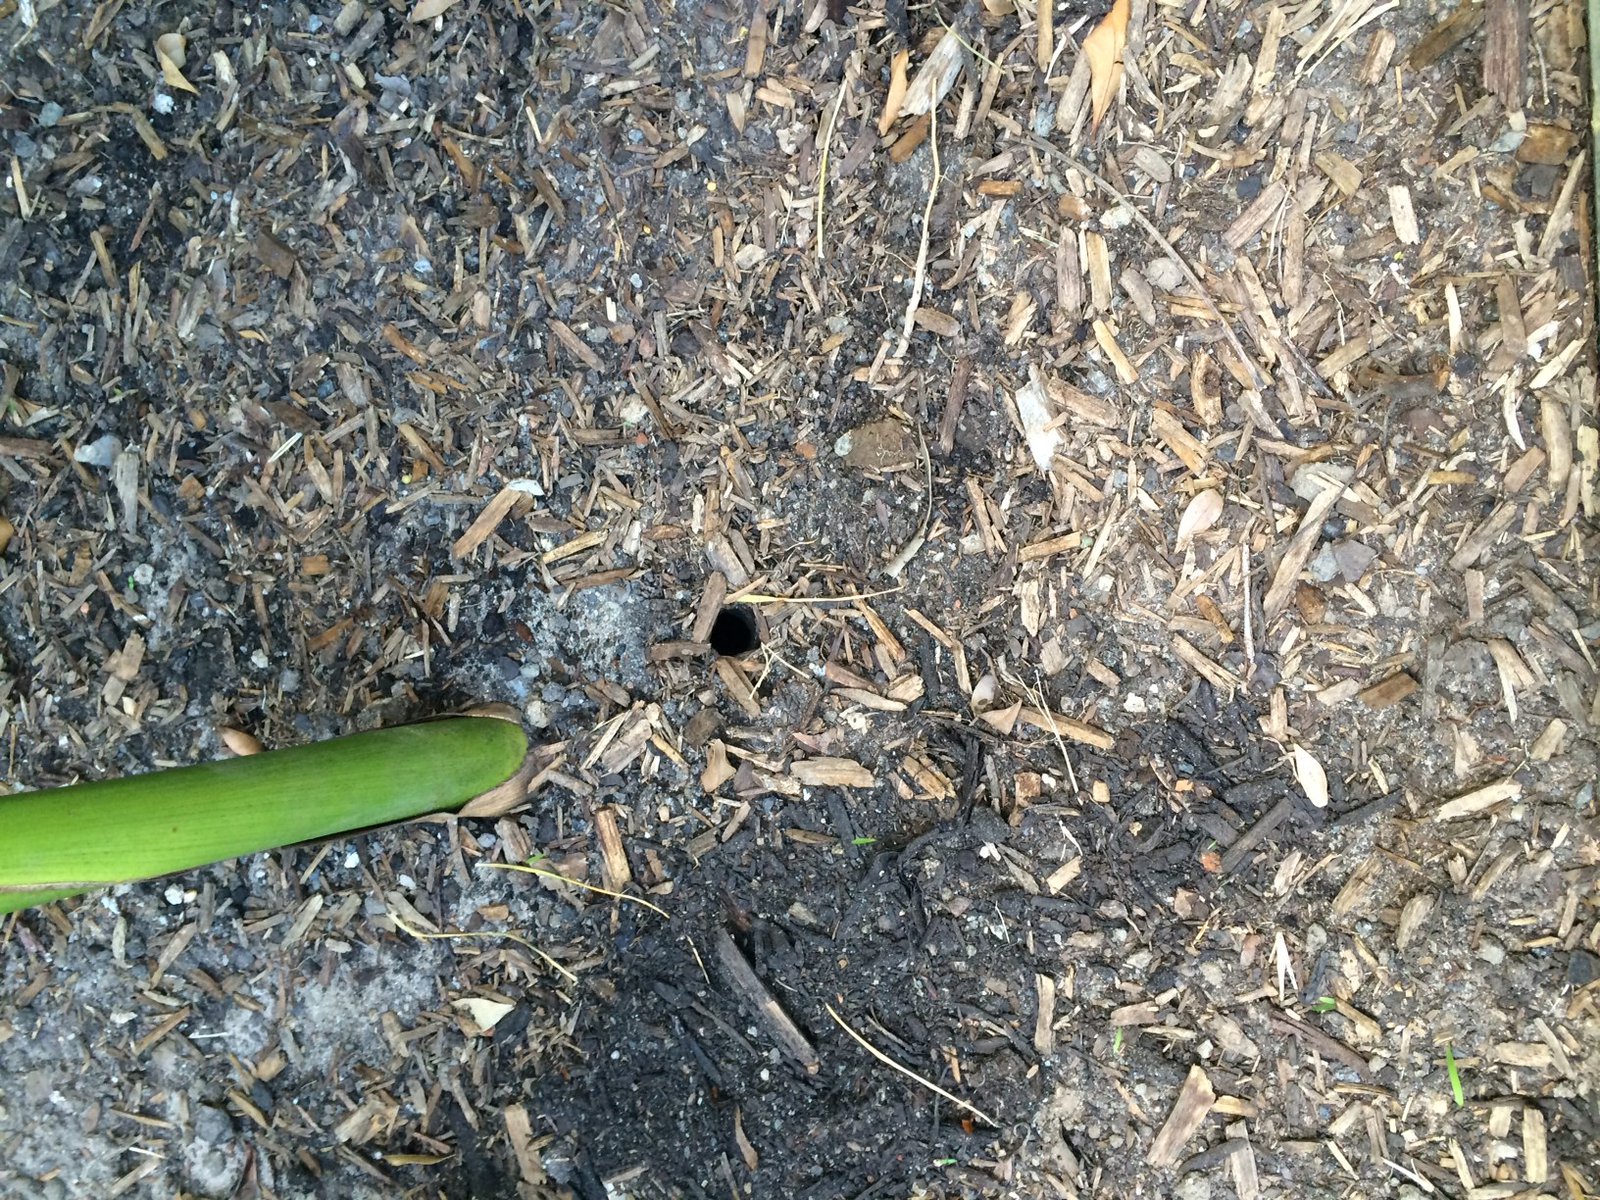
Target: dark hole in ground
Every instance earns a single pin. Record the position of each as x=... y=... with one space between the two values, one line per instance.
x=735 y=632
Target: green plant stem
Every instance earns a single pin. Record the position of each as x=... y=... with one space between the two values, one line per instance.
x=74 y=839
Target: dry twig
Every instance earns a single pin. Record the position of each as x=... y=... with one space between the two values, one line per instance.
x=908 y=1072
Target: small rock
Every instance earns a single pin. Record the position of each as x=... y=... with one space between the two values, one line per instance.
x=1324 y=567
x=36 y=1087
x=212 y=1125
x=1353 y=558
x=101 y=452
x=1583 y=968
x=1165 y=274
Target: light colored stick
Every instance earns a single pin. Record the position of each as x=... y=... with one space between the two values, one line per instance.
x=922 y=250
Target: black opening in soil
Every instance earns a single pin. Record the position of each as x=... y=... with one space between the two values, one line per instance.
x=735 y=632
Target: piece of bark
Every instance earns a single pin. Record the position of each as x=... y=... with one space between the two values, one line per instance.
x=613 y=854
x=1505 y=51
x=955 y=399
x=1389 y=692
x=1044 y=1034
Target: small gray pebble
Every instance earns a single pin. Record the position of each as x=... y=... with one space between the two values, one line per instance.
x=1583 y=969
x=212 y=1126
x=50 y=114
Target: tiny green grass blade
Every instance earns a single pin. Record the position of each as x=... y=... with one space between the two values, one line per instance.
x=74 y=839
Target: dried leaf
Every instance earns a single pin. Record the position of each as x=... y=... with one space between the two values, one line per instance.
x=1103 y=48
x=877 y=446
x=7 y=532
x=239 y=742
x=1313 y=779
x=485 y=1013
x=427 y=10
x=1200 y=515
x=172 y=53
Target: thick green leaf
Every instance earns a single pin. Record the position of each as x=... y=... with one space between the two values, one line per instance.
x=74 y=839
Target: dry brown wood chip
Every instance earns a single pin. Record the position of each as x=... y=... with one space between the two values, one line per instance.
x=1389 y=692
x=1481 y=538
x=1188 y=1114
x=613 y=855
x=487 y=521
x=1079 y=405
x=519 y=1132
x=1298 y=551
x=1044 y=1035
x=832 y=772
x=1067 y=727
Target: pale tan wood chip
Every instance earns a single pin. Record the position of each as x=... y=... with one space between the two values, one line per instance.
x=1548 y=743
x=1067 y=727
x=898 y=83
x=832 y=772
x=1218 y=675
x=755 y=46
x=1412 y=915
x=574 y=345
x=1076 y=405
x=519 y=1132
x=1188 y=1114
x=738 y=686
x=1535 y=1150
x=1044 y=1035
x=1242 y=1163
x=705 y=613
x=1255 y=216
x=487 y=521
x=1064 y=874
x=427 y=10
x=1479 y=799
x=1481 y=538
x=1534 y=1055
x=1402 y=216
x=1298 y=551
x=1556 y=431
x=614 y=869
